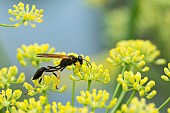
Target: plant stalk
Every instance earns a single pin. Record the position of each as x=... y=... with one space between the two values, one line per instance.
x=89 y=84
x=117 y=87
x=132 y=95
x=166 y=101
x=6 y=25
x=122 y=95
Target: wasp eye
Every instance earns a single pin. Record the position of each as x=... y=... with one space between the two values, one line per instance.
x=80 y=59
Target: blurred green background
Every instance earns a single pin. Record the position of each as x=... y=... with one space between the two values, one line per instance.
x=92 y=27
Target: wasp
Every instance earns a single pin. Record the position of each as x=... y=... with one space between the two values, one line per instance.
x=67 y=60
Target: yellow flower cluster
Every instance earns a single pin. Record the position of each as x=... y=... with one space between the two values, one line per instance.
x=138 y=106
x=146 y=48
x=32 y=106
x=95 y=72
x=25 y=16
x=129 y=81
x=8 y=76
x=9 y=98
x=41 y=106
x=86 y=71
x=96 y=99
x=28 y=54
x=166 y=77
x=47 y=83
x=68 y=108
x=127 y=56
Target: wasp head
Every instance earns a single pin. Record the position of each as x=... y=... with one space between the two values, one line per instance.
x=80 y=59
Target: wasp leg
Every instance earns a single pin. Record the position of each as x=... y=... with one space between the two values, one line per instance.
x=81 y=72
x=62 y=68
x=30 y=90
x=56 y=75
x=40 y=80
x=58 y=78
x=53 y=71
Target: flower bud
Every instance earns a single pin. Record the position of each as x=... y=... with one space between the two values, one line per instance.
x=62 y=89
x=151 y=95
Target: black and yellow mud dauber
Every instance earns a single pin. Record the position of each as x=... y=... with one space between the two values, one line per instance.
x=67 y=60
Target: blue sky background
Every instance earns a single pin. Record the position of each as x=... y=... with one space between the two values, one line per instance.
x=69 y=25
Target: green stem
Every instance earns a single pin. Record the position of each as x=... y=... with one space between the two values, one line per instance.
x=6 y=25
x=132 y=95
x=89 y=84
x=167 y=100
x=116 y=91
x=114 y=95
x=45 y=94
x=73 y=92
x=13 y=25
x=1 y=111
x=9 y=109
x=118 y=102
x=117 y=87
x=93 y=110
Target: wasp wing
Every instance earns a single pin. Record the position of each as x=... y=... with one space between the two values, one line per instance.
x=53 y=56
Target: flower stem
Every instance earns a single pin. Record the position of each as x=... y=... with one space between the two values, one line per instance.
x=132 y=95
x=167 y=100
x=89 y=84
x=117 y=87
x=118 y=102
x=73 y=92
x=9 y=109
x=12 y=25
x=6 y=25
x=45 y=94
x=116 y=91
x=93 y=110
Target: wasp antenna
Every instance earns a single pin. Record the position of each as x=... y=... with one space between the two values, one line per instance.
x=88 y=63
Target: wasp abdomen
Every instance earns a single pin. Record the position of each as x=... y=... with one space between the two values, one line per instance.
x=39 y=73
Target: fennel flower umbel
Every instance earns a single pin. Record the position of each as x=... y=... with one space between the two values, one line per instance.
x=23 y=15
